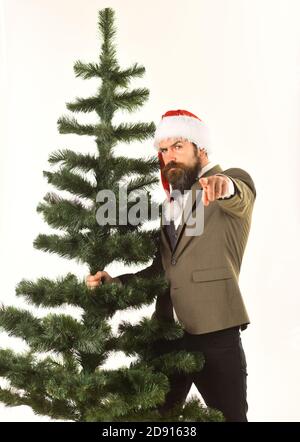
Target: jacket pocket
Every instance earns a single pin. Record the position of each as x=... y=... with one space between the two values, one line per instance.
x=212 y=274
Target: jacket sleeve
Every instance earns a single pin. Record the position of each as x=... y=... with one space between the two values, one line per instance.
x=163 y=303
x=164 y=307
x=241 y=202
x=155 y=269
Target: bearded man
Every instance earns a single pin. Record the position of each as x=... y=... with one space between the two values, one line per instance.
x=202 y=264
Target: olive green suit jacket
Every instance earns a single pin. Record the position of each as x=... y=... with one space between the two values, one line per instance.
x=203 y=269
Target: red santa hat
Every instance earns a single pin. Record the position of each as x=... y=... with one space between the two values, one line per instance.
x=182 y=124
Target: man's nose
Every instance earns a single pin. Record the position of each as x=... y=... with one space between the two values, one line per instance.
x=171 y=156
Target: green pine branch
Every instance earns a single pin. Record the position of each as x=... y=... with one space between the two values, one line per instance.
x=66 y=214
x=73 y=183
x=73 y=160
x=84 y=104
x=119 y=77
x=67 y=125
x=141 y=183
x=130 y=247
x=122 y=77
x=128 y=132
x=132 y=100
x=48 y=293
x=87 y=70
x=69 y=246
x=125 y=166
x=100 y=304
x=55 y=332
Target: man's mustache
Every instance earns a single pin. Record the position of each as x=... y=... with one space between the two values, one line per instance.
x=172 y=165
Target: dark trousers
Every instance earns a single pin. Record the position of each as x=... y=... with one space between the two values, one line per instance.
x=222 y=382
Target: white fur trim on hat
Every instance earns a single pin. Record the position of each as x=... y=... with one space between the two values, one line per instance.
x=183 y=126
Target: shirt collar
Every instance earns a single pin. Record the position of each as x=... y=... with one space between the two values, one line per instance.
x=207 y=167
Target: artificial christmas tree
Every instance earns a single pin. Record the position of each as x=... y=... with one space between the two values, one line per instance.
x=62 y=375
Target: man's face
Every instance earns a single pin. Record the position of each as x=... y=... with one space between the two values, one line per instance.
x=182 y=163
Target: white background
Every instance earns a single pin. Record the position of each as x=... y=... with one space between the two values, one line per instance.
x=235 y=64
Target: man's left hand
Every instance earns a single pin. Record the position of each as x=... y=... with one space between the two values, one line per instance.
x=214 y=187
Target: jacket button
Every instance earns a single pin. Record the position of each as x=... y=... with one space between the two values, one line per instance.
x=173 y=261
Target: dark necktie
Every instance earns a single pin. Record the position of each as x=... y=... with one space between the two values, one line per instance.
x=172 y=232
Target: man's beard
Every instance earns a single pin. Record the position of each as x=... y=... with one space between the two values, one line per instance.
x=182 y=177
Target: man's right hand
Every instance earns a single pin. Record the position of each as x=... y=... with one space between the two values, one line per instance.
x=101 y=277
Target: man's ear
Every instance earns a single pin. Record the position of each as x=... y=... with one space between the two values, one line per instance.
x=199 y=153
x=202 y=153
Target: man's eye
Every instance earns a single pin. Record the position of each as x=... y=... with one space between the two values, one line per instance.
x=178 y=146
x=163 y=150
